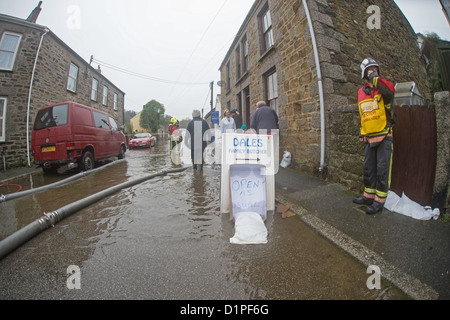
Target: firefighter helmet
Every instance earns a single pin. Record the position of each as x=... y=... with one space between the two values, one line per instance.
x=368 y=62
x=173 y=121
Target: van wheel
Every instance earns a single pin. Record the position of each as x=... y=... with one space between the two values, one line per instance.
x=87 y=161
x=121 y=153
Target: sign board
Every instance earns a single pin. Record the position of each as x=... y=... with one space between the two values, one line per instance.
x=215 y=117
x=248 y=189
x=249 y=149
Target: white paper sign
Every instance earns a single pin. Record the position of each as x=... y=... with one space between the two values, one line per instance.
x=248 y=189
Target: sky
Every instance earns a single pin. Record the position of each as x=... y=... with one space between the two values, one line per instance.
x=168 y=50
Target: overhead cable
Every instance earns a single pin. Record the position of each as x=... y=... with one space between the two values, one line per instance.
x=140 y=75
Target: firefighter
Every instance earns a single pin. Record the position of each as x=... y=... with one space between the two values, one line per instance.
x=174 y=139
x=374 y=104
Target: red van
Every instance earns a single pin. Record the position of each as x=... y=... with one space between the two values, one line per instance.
x=68 y=135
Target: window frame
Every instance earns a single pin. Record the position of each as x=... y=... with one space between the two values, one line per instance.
x=94 y=92
x=245 y=57
x=16 y=50
x=105 y=95
x=238 y=61
x=266 y=28
x=73 y=78
x=116 y=101
x=271 y=84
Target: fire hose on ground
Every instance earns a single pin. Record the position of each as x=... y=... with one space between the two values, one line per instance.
x=23 y=193
x=48 y=220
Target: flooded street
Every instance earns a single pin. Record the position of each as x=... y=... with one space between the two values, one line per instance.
x=165 y=238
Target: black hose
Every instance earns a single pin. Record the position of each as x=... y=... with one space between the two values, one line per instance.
x=48 y=220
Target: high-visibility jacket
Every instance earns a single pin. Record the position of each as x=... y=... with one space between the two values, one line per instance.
x=374 y=108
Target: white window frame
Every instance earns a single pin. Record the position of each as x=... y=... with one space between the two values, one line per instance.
x=105 y=95
x=72 y=78
x=245 y=55
x=16 y=49
x=272 y=91
x=116 y=97
x=3 y=119
x=94 y=90
x=267 y=30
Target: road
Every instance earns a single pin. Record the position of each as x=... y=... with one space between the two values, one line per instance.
x=166 y=239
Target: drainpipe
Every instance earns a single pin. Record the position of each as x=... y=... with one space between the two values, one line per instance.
x=319 y=82
x=21 y=236
x=29 y=95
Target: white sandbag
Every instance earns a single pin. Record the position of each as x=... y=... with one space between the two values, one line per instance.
x=249 y=229
x=407 y=207
x=286 y=161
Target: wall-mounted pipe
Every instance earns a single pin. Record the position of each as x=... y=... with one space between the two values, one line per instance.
x=23 y=193
x=48 y=220
x=319 y=82
x=29 y=95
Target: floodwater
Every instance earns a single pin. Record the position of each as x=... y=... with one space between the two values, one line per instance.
x=165 y=238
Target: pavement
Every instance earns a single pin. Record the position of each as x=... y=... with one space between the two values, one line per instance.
x=412 y=254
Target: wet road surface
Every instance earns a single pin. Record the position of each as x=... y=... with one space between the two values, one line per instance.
x=165 y=238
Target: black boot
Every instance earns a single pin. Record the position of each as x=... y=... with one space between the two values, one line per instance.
x=375 y=207
x=363 y=200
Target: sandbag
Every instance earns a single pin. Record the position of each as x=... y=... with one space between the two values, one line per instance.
x=286 y=161
x=249 y=229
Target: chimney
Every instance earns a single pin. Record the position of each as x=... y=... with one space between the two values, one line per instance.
x=35 y=13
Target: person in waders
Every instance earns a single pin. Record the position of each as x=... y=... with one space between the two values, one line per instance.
x=374 y=104
x=174 y=139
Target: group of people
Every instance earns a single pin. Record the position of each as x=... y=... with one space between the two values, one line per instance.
x=263 y=121
x=194 y=139
x=374 y=105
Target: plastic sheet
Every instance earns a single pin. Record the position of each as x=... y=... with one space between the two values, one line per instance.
x=406 y=206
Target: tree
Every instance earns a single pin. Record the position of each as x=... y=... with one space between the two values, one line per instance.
x=152 y=116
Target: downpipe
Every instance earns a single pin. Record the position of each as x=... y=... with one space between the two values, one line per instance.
x=82 y=174
x=48 y=220
x=319 y=82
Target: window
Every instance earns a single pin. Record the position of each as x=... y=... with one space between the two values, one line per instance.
x=272 y=90
x=115 y=101
x=105 y=95
x=245 y=55
x=228 y=84
x=238 y=62
x=113 y=123
x=72 y=79
x=94 y=91
x=266 y=23
x=9 y=46
x=2 y=119
x=100 y=120
x=51 y=117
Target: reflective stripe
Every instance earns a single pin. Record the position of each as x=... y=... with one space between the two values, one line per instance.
x=380 y=200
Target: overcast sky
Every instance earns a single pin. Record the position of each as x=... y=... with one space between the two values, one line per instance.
x=168 y=50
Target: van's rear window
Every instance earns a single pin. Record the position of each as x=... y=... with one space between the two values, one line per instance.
x=51 y=117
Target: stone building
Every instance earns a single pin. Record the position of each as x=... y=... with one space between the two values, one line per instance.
x=38 y=69
x=303 y=58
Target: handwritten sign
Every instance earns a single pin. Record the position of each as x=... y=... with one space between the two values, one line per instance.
x=248 y=189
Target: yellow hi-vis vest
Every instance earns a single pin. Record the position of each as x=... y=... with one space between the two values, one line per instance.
x=372 y=115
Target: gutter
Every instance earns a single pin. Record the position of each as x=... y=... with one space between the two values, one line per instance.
x=319 y=82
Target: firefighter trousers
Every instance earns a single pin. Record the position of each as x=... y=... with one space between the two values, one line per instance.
x=377 y=170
